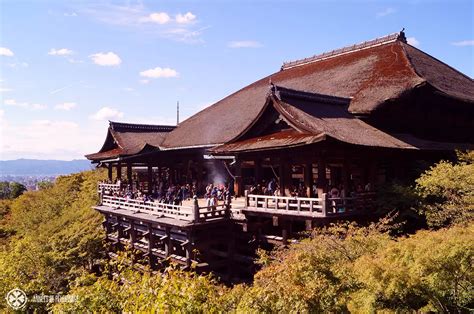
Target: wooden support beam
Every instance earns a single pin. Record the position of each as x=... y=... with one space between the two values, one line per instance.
x=151 y=244
x=109 y=172
x=129 y=173
x=119 y=171
x=238 y=186
x=167 y=242
x=345 y=178
x=150 y=178
x=258 y=170
x=322 y=181
x=308 y=179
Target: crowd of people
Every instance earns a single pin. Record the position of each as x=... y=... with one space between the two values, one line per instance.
x=272 y=188
x=168 y=193
x=161 y=192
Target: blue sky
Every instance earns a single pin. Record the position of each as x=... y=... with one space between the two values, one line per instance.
x=68 y=67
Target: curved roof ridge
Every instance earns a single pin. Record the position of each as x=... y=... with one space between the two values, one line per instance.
x=458 y=90
x=123 y=126
x=400 y=36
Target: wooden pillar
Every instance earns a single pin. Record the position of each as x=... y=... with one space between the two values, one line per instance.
x=322 y=182
x=258 y=171
x=345 y=177
x=151 y=244
x=372 y=174
x=281 y=174
x=167 y=242
x=189 y=249
x=238 y=187
x=284 y=232
x=150 y=178
x=308 y=179
x=133 y=233
x=199 y=178
x=109 y=172
x=129 y=173
x=119 y=171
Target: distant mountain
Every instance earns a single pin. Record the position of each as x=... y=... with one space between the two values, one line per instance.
x=36 y=167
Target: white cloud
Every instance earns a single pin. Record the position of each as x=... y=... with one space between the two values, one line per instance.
x=244 y=44
x=38 y=106
x=5 y=89
x=106 y=59
x=65 y=106
x=26 y=105
x=159 y=73
x=60 y=52
x=107 y=113
x=413 y=41
x=157 y=17
x=72 y=14
x=18 y=65
x=129 y=89
x=386 y=12
x=6 y=52
x=187 y=18
x=181 y=28
x=144 y=81
x=463 y=43
x=10 y=102
x=48 y=139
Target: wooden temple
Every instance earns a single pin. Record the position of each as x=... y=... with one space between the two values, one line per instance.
x=304 y=146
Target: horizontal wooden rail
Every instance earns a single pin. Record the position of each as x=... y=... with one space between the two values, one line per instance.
x=304 y=206
x=108 y=187
x=190 y=213
x=153 y=208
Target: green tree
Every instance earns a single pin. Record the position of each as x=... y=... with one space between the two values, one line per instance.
x=447 y=190
x=431 y=271
x=16 y=189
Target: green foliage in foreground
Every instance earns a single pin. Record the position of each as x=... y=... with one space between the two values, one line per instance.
x=51 y=238
x=448 y=191
x=11 y=190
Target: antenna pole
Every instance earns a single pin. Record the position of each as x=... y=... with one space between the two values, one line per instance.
x=177 y=112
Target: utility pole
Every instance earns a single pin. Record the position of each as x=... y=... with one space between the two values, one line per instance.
x=177 y=112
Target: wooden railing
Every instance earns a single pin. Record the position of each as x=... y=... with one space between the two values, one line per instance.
x=108 y=188
x=193 y=213
x=304 y=206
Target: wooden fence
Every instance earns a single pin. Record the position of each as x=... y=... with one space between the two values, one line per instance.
x=304 y=206
x=193 y=213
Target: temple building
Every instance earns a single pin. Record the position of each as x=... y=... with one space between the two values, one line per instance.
x=305 y=145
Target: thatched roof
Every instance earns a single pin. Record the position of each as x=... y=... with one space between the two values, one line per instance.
x=125 y=139
x=313 y=118
x=368 y=74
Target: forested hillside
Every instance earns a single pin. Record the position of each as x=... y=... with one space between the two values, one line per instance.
x=52 y=243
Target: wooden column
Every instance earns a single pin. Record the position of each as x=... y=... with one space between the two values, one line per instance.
x=189 y=249
x=129 y=173
x=308 y=179
x=238 y=187
x=199 y=178
x=282 y=175
x=119 y=171
x=151 y=244
x=322 y=182
x=150 y=178
x=133 y=233
x=258 y=170
x=109 y=171
x=167 y=242
x=287 y=175
x=372 y=174
x=345 y=177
